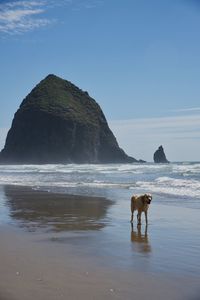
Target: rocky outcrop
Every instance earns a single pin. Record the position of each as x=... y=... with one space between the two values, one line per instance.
x=159 y=156
x=141 y=161
x=59 y=123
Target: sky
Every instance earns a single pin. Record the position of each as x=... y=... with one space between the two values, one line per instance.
x=139 y=59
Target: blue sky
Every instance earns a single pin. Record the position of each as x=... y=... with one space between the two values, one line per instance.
x=138 y=58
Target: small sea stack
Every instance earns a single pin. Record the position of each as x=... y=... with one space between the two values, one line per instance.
x=59 y=123
x=159 y=156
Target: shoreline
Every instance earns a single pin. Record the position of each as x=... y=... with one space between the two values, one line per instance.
x=93 y=255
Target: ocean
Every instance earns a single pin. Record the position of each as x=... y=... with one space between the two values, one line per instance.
x=177 y=183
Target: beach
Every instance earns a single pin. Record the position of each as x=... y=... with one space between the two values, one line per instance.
x=64 y=246
x=31 y=270
x=100 y=116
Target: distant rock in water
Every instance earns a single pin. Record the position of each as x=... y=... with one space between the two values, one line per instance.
x=141 y=161
x=159 y=156
x=59 y=123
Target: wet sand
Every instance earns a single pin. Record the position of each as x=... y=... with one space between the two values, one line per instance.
x=56 y=246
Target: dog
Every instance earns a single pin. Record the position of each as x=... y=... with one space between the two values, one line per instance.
x=141 y=204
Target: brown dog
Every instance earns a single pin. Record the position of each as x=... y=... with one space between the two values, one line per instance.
x=141 y=204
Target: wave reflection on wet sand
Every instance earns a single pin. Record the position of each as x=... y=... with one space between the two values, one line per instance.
x=34 y=209
x=100 y=228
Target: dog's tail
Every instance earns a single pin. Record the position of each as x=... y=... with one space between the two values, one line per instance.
x=133 y=198
x=132 y=205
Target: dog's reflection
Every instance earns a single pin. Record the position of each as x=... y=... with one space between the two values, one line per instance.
x=140 y=240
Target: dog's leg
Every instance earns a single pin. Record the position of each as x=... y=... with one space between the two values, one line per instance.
x=145 y=233
x=131 y=227
x=146 y=219
x=132 y=211
x=139 y=217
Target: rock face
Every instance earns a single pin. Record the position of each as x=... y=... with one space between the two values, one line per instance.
x=159 y=156
x=59 y=123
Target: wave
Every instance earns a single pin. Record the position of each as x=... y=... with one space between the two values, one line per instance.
x=85 y=168
x=187 y=170
x=180 y=179
x=38 y=182
x=172 y=186
x=161 y=185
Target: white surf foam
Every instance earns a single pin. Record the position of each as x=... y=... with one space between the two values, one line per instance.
x=171 y=186
x=158 y=178
x=84 y=168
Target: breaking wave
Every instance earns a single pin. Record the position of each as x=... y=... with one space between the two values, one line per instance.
x=180 y=179
x=172 y=186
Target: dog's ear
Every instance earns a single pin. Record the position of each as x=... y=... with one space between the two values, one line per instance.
x=149 y=198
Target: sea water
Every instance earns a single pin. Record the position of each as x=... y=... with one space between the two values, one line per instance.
x=175 y=182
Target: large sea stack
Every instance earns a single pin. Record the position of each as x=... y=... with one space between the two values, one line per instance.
x=59 y=123
x=159 y=156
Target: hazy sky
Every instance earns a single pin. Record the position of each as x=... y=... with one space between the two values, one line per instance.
x=139 y=59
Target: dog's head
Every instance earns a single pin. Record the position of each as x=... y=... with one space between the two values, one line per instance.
x=147 y=198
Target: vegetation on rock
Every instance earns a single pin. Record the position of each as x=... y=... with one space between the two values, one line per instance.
x=59 y=123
